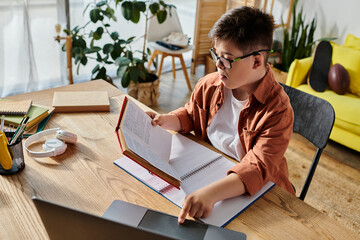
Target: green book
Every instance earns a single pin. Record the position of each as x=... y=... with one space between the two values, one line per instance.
x=36 y=114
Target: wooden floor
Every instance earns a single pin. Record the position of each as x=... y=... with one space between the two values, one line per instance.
x=335 y=188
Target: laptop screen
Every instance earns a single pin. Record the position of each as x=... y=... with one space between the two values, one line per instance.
x=65 y=223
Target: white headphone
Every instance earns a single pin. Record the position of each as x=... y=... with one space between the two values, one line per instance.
x=53 y=146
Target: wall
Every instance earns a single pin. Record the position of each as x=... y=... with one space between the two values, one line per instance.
x=334 y=18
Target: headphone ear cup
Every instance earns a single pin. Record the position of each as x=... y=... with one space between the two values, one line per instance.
x=56 y=145
x=66 y=136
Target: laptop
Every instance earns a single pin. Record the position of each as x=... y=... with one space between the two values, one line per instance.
x=123 y=220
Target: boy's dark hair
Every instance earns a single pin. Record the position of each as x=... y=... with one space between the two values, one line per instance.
x=248 y=28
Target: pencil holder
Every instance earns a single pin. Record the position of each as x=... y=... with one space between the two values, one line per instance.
x=17 y=155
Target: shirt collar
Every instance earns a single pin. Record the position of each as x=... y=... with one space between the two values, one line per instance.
x=264 y=88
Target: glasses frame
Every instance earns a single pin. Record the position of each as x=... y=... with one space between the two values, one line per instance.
x=255 y=53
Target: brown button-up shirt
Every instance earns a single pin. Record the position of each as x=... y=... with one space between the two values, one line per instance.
x=265 y=128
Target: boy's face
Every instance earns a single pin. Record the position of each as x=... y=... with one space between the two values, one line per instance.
x=242 y=74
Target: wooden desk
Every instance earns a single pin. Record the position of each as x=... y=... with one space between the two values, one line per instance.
x=85 y=178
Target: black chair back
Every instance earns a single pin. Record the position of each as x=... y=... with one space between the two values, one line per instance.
x=313 y=119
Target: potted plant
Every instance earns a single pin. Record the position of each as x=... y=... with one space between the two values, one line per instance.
x=299 y=42
x=130 y=64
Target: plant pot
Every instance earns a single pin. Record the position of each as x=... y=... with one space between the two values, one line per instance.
x=279 y=75
x=146 y=92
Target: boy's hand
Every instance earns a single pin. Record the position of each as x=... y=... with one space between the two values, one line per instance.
x=167 y=121
x=198 y=204
x=201 y=202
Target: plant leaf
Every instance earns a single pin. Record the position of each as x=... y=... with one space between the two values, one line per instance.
x=95 y=15
x=67 y=31
x=100 y=31
x=114 y=35
x=96 y=68
x=116 y=51
x=136 y=16
x=92 y=50
x=122 y=61
x=98 y=57
x=100 y=4
x=108 y=48
x=79 y=43
x=161 y=16
x=77 y=58
x=109 y=12
x=127 y=9
x=141 y=6
x=142 y=73
x=101 y=74
x=121 y=70
x=129 y=55
x=134 y=74
x=130 y=39
x=154 y=8
x=96 y=36
x=84 y=60
x=88 y=5
x=125 y=80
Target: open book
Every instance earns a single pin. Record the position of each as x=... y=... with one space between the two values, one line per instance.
x=182 y=166
x=172 y=157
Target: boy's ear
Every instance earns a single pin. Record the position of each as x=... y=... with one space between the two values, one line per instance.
x=258 y=61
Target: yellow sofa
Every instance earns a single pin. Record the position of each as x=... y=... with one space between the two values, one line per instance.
x=346 y=130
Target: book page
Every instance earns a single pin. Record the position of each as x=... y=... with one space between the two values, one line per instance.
x=149 y=142
x=223 y=212
x=188 y=155
x=141 y=173
x=212 y=172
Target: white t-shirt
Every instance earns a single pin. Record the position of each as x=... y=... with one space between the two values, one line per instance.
x=223 y=130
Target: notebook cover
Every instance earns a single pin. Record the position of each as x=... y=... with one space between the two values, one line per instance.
x=12 y=107
x=86 y=101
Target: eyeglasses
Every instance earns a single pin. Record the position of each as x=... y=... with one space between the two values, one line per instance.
x=227 y=62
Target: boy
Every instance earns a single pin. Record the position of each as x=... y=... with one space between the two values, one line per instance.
x=240 y=109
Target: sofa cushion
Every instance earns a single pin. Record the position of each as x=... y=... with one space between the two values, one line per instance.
x=350 y=59
x=352 y=42
x=346 y=107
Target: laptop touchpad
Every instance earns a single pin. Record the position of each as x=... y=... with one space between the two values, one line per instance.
x=169 y=225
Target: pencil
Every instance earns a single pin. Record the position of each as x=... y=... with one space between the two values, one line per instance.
x=2 y=123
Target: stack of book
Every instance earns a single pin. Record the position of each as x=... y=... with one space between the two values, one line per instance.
x=15 y=111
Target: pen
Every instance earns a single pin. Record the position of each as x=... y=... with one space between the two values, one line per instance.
x=23 y=122
x=24 y=119
x=18 y=134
